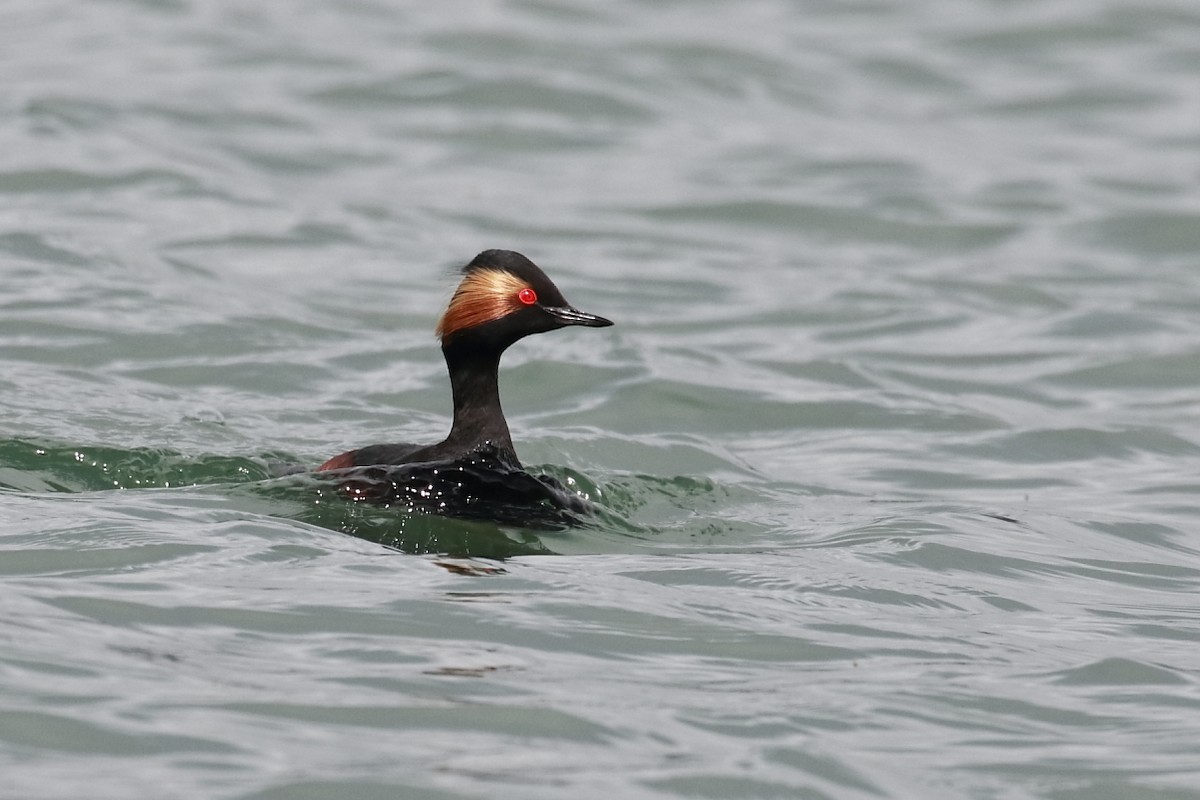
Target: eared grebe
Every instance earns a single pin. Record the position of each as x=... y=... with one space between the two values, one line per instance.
x=474 y=471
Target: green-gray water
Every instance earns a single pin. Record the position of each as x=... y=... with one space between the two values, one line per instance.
x=895 y=442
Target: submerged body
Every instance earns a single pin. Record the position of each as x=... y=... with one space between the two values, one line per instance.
x=474 y=471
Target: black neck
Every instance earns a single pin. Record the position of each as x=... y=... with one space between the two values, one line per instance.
x=478 y=418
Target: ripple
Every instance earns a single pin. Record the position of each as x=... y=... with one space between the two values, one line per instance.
x=1140 y=372
x=1160 y=233
x=62 y=181
x=828 y=223
x=452 y=90
x=1120 y=672
x=66 y=735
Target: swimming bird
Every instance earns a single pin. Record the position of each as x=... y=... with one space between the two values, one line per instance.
x=503 y=297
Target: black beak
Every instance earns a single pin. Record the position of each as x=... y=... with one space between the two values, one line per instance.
x=573 y=316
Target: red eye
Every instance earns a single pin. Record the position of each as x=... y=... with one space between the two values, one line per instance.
x=527 y=296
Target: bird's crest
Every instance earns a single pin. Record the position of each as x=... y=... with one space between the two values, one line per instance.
x=483 y=296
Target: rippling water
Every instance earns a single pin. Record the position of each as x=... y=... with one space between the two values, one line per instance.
x=894 y=444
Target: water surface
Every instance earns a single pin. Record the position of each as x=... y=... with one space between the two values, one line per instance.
x=894 y=443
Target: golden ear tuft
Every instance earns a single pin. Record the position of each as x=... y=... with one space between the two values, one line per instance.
x=483 y=296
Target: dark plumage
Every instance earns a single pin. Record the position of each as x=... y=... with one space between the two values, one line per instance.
x=502 y=297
